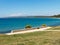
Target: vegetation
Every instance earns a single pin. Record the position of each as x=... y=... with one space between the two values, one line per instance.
x=38 y=28
x=28 y=27
x=35 y=38
x=44 y=25
x=55 y=28
x=56 y=15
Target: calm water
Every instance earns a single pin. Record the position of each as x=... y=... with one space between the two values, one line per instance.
x=8 y=24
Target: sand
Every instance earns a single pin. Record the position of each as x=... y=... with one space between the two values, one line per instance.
x=28 y=31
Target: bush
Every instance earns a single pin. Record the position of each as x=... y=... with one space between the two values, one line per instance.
x=28 y=26
x=44 y=25
x=38 y=28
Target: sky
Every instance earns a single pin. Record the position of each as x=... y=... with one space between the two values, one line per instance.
x=29 y=7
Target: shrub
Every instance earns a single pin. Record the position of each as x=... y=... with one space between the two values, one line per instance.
x=37 y=27
x=44 y=25
x=28 y=26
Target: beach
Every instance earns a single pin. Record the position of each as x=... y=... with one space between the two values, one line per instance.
x=27 y=31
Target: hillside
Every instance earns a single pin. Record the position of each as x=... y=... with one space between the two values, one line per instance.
x=36 y=38
x=58 y=15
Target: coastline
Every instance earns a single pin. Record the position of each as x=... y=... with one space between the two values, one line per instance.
x=8 y=24
x=27 y=31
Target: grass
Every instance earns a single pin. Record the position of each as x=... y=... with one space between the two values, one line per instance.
x=35 y=38
x=55 y=28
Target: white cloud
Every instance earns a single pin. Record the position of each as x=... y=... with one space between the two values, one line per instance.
x=16 y=14
x=13 y=15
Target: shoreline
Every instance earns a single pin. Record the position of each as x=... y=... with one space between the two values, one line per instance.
x=27 y=31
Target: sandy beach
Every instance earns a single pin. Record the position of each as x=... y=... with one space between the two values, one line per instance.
x=28 y=31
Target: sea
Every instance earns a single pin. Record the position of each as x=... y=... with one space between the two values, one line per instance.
x=9 y=24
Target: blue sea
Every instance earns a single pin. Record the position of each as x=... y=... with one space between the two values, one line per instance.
x=8 y=24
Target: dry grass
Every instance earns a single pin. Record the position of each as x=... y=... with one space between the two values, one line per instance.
x=55 y=28
x=35 y=38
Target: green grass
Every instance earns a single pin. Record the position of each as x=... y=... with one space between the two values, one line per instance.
x=35 y=38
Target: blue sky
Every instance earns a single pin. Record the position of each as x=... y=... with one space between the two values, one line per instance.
x=29 y=7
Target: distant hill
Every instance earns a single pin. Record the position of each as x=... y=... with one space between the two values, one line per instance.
x=56 y=15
